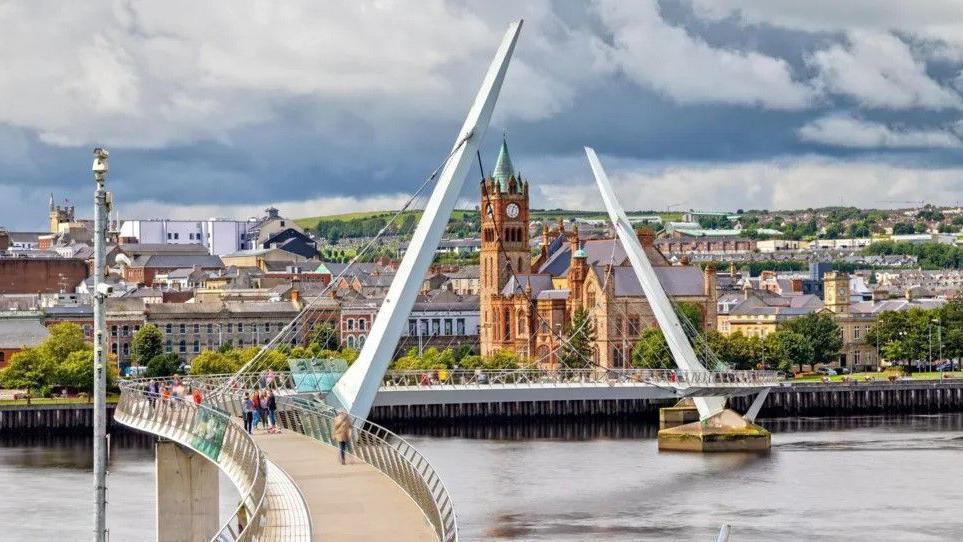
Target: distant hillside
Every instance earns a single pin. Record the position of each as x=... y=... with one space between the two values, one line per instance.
x=462 y=214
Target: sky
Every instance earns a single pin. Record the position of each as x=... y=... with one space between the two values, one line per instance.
x=223 y=108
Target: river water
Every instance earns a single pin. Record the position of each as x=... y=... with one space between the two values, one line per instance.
x=870 y=478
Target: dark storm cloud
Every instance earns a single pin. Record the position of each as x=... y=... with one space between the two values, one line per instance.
x=321 y=111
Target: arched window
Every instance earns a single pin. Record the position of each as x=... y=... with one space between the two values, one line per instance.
x=362 y=323
x=519 y=325
x=519 y=269
x=360 y=341
x=350 y=324
x=350 y=341
x=507 y=322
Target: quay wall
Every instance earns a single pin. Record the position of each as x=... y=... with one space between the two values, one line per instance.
x=796 y=399
x=55 y=418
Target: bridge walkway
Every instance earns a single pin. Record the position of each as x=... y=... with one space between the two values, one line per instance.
x=345 y=500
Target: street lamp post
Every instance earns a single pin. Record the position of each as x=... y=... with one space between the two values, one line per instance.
x=101 y=291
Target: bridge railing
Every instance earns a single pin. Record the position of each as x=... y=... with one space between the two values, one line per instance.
x=385 y=451
x=541 y=377
x=211 y=433
x=373 y=444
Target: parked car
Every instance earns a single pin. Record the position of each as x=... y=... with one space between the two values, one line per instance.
x=826 y=371
x=945 y=366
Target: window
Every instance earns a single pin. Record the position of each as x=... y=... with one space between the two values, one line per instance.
x=361 y=341
x=240 y=343
x=267 y=327
x=197 y=345
x=634 y=328
x=136 y=328
x=169 y=236
x=282 y=223
x=240 y=327
x=618 y=326
x=350 y=341
x=230 y=328
x=350 y=324
x=113 y=347
x=424 y=327
x=447 y=326
x=125 y=331
x=125 y=349
x=167 y=346
x=590 y=300
x=182 y=346
x=617 y=357
x=362 y=323
x=113 y=331
x=210 y=328
x=856 y=332
x=507 y=323
x=183 y=328
x=435 y=326
x=177 y=236
x=460 y=326
x=412 y=327
x=197 y=328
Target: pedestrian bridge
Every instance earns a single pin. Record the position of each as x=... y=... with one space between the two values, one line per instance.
x=291 y=485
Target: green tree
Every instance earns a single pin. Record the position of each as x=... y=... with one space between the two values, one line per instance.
x=786 y=348
x=651 y=351
x=822 y=332
x=213 y=362
x=64 y=338
x=162 y=365
x=903 y=228
x=577 y=350
x=29 y=369
x=325 y=337
x=77 y=371
x=147 y=343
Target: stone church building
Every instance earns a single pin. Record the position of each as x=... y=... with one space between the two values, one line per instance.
x=528 y=299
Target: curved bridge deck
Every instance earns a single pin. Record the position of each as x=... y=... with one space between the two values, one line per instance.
x=345 y=502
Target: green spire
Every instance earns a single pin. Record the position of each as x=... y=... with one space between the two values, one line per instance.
x=503 y=167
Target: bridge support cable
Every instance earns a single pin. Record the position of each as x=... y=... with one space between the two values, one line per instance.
x=562 y=342
x=302 y=322
x=682 y=351
x=357 y=388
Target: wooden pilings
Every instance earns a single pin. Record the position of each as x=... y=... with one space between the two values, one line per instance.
x=38 y=418
x=918 y=397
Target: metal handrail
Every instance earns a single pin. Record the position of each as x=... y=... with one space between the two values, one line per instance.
x=375 y=445
x=383 y=450
x=520 y=377
x=238 y=456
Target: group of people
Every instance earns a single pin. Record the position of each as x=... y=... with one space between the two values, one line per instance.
x=174 y=389
x=260 y=408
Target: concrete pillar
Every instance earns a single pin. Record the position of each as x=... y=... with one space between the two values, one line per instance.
x=187 y=494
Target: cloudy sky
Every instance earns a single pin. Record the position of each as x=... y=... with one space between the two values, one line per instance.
x=223 y=107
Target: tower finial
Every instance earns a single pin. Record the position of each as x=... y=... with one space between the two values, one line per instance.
x=504 y=170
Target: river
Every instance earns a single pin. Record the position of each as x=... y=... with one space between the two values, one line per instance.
x=870 y=478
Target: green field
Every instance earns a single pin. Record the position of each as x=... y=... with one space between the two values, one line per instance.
x=460 y=214
x=112 y=399
x=879 y=376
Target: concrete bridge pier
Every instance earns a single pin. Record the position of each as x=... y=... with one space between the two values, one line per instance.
x=187 y=494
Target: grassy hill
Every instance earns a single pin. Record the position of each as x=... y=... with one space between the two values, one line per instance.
x=461 y=214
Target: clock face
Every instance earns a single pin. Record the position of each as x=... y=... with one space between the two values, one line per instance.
x=512 y=210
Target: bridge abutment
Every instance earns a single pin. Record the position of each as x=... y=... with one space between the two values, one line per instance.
x=726 y=431
x=187 y=494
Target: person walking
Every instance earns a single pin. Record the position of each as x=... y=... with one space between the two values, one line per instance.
x=247 y=408
x=196 y=395
x=263 y=403
x=256 y=405
x=153 y=390
x=272 y=409
x=341 y=432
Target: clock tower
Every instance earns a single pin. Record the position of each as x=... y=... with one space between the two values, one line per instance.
x=504 y=244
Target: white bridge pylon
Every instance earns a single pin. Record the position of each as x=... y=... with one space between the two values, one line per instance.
x=356 y=389
x=682 y=352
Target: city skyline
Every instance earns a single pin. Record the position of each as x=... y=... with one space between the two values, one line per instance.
x=735 y=104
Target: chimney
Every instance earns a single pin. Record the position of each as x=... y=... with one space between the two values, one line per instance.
x=646 y=236
x=709 y=280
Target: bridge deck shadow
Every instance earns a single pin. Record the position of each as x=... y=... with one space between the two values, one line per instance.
x=345 y=501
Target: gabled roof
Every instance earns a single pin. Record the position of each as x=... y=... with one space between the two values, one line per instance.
x=677 y=281
x=21 y=332
x=538 y=283
x=176 y=261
